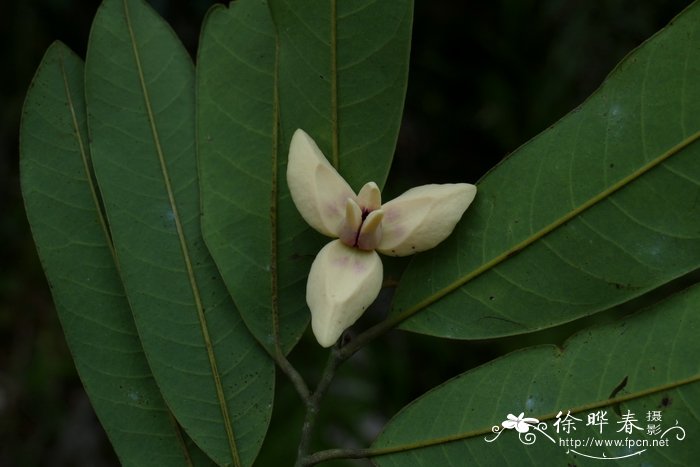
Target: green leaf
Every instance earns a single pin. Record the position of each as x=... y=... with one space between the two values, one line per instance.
x=600 y=208
x=639 y=365
x=237 y=117
x=343 y=75
x=71 y=235
x=140 y=94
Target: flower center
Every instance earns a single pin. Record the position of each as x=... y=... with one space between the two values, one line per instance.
x=362 y=227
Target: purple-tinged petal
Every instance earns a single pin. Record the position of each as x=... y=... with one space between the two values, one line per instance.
x=317 y=189
x=342 y=283
x=422 y=217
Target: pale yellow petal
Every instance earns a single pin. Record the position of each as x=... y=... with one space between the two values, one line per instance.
x=351 y=224
x=422 y=217
x=369 y=197
x=318 y=190
x=371 y=232
x=342 y=283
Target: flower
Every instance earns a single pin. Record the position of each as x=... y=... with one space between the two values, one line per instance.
x=522 y=425
x=346 y=275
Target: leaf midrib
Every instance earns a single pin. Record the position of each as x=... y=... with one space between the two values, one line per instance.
x=402 y=316
x=183 y=245
x=274 y=258
x=376 y=452
x=85 y=159
x=335 y=125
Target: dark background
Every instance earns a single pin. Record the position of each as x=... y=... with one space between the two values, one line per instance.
x=485 y=77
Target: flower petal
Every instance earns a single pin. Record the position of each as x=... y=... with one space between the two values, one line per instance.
x=422 y=217
x=318 y=190
x=342 y=283
x=369 y=197
x=371 y=232
x=351 y=224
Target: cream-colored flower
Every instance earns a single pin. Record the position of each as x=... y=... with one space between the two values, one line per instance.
x=346 y=276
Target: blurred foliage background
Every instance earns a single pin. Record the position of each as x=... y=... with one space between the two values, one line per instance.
x=485 y=77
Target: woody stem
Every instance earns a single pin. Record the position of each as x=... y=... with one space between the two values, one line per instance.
x=313 y=404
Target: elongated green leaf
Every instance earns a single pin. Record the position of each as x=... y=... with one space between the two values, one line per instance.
x=339 y=72
x=641 y=363
x=598 y=209
x=343 y=75
x=140 y=95
x=73 y=244
x=237 y=117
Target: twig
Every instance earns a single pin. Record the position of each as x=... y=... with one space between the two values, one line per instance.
x=313 y=403
x=369 y=335
x=293 y=375
x=338 y=355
